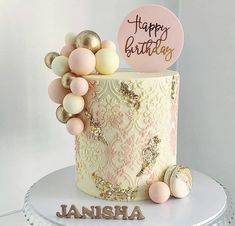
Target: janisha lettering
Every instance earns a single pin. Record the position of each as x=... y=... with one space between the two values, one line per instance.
x=157 y=34
x=98 y=212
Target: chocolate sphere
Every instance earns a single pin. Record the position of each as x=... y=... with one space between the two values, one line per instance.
x=82 y=61
x=159 y=192
x=70 y=38
x=75 y=126
x=60 y=65
x=49 y=58
x=79 y=86
x=62 y=115
x=89 y=40
x=56 y=91
x=67 y=79
x=66 y=50
x=108 y=44
x=107 y=61
x=73 y=104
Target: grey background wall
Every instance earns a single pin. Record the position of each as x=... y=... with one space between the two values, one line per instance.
x=32 y=143
x=206 y=118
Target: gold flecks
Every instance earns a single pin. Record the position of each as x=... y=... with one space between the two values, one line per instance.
x=185 y=175
x=95 y=129
x=150 y=154
x=113 y=192
x=173 y=87
x=130 y=96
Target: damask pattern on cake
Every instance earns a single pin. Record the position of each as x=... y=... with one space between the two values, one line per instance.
x=127 y=132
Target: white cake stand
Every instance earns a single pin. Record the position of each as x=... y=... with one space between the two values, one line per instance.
x=206 y=205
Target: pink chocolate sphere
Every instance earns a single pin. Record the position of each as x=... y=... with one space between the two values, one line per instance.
x=108 y=44
x=75 y=126
x=66 y=50
x=56 y=91
x=159 y=192
x=82 y=61
x=79 y=86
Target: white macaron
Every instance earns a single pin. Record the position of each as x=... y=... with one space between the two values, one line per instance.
x=180 y=181
x=168 y=173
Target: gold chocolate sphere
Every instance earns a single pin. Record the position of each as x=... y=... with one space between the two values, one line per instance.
x=49 y=58
x=88 y=39
x=62 y=115
x=67 y=79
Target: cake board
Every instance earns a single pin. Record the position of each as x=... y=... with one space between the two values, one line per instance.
x=207 y=204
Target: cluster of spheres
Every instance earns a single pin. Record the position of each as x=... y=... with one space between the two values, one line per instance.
x=82 y=55
x=177 y=183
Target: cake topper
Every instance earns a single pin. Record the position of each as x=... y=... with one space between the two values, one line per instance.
x=150 y=38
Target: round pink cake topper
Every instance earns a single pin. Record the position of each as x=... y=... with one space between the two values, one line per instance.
x=150 y=38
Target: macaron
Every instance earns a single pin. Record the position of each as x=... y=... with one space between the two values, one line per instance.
x=168 y=173
x=181 y=181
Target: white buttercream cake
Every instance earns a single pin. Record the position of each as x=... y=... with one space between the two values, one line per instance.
x=130 y=133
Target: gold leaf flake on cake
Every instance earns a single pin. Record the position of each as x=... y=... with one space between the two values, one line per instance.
x=130 y=96
x=150 y=154
x=95 y=129
x=113 y=192
x=173 y=86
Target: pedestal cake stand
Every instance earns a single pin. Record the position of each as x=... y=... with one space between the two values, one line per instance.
x=207 y=204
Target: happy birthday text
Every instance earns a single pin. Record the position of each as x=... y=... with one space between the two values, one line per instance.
x=157 y=34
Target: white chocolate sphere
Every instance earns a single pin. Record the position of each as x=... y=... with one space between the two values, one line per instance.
x=60 y=65
x=73 y=104
x=70 y=38
x=107 y=61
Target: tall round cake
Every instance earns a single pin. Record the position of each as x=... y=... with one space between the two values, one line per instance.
x=130 y=133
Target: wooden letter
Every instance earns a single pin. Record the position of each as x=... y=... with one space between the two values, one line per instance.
x=73 y=211
x=86 y=212
x=121 y=211
x=136 y=213
x=107 y=212
x=98 y=212
x=63 y=211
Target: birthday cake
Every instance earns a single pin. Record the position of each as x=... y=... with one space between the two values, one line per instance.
x=124 y=121
x=129 y=138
